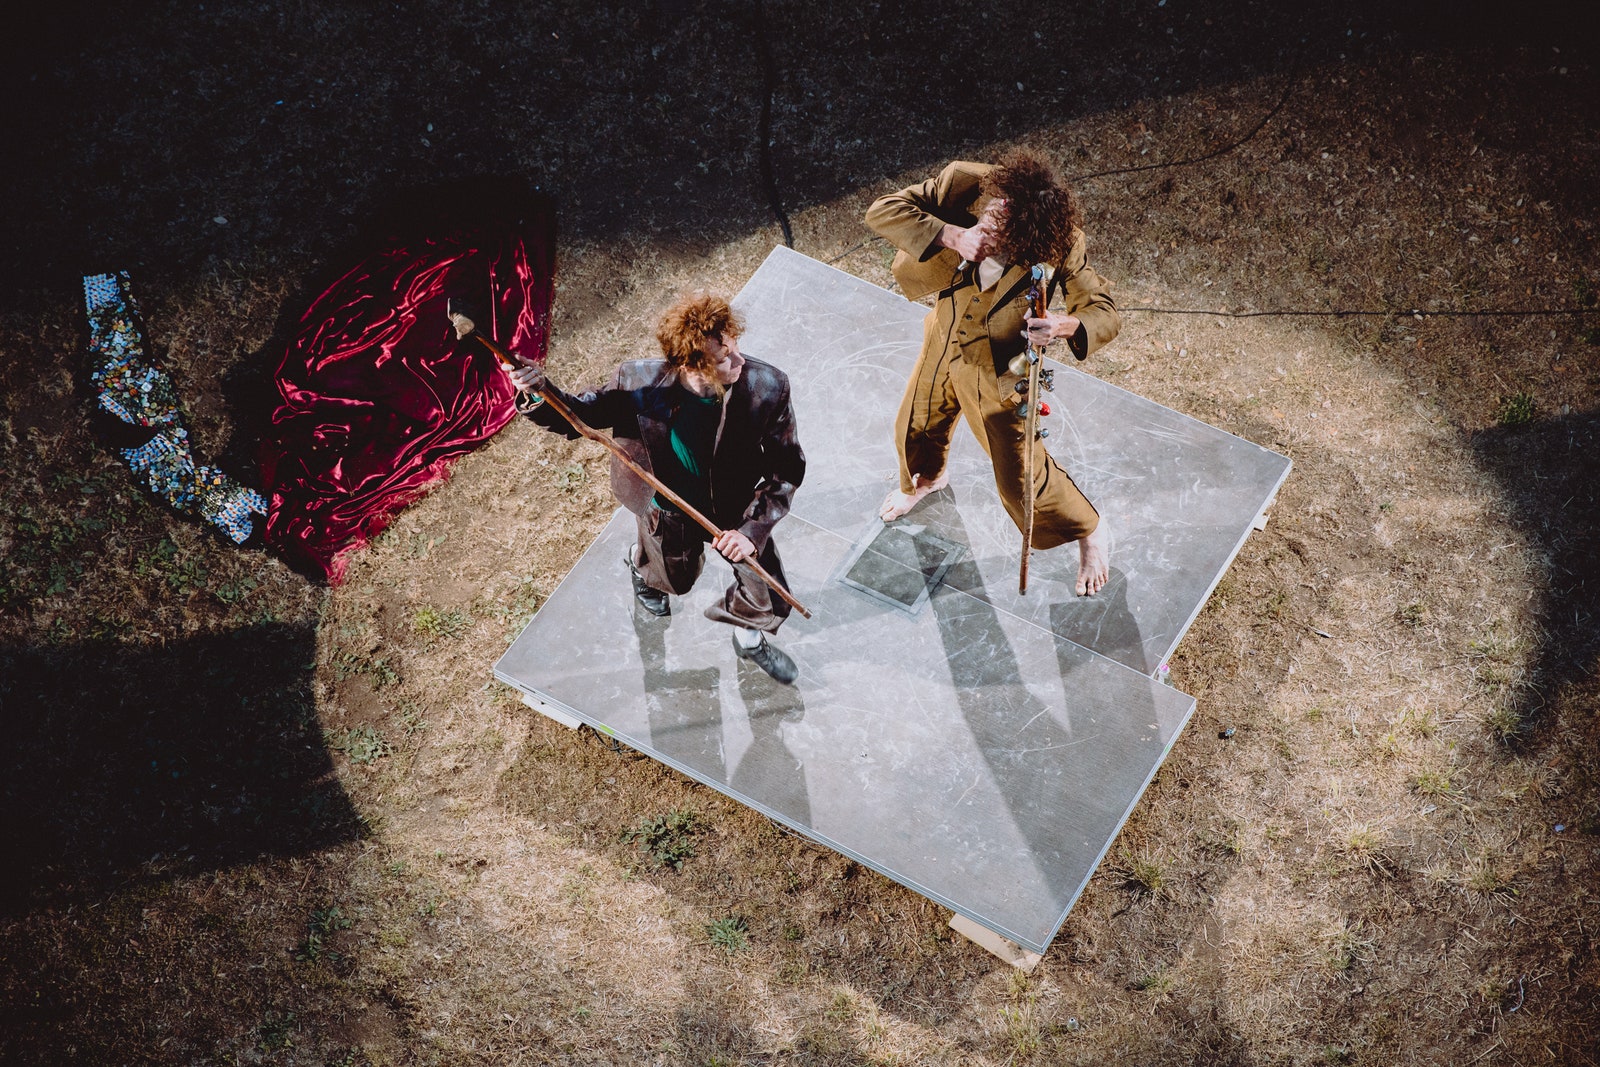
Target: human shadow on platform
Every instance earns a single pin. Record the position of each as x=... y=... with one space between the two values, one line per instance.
x=1546 y=472
x=684 y=710
x=121 y=759
x=683 y=707
x=1103 y=623
x=768 y=772
x=1067 y=775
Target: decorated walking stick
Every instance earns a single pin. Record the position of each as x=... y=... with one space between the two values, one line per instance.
x=1030 y=408
x=465 y=326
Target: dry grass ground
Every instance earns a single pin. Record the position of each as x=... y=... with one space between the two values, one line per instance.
x=252 y=820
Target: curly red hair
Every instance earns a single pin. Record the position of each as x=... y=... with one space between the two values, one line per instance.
x=686 y=324
x=1037 y=223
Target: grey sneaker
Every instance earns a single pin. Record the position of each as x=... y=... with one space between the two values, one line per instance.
x=770 y=658
x=650 y=598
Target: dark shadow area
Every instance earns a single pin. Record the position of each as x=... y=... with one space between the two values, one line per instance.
x=200 y=754
x=1547 y=476
x=643 y=119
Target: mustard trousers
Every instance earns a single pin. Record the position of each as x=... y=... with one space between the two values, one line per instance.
x=942 y=389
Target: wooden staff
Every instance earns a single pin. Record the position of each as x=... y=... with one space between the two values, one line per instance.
x=560 y=408
x=1039 y=297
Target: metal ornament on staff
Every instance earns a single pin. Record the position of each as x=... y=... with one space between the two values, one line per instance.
x=510 y=363
x=1030 y=361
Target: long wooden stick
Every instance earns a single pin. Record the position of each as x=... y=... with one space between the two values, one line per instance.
x=650 y=479
x=1030 y=428
x=1039 y=296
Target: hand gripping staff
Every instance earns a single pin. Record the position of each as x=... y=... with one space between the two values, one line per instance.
x=560 y=408
x=1032 y=359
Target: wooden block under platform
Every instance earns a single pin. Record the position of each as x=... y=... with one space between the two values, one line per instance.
x=994 y=944
x=550 y=711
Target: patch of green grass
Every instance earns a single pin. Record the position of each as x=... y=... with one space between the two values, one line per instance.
x=1412 y=615
x=1433 y=784
x=363 y=744
x=1143 y=872
x=276 y=1032
x=1158 y=983
x=730 y=935
x=669 y=838
x=1364 y=844
x=1347 y=945
x=347 y=664
x=422 y=544
x=1421 y=722
x=182 y=573
x=1229 y=841
x=47 y=557
x=411 y=719
x=231 y=593
x=435 y=625
x=570 y=478
x=1516 y=410
x=1505 y=723
x=323 y=923
x=1022 y=1030
x=514 y=609
x=1484 y=876
x=1583 y=291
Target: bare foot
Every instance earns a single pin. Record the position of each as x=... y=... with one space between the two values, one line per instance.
x=897 y=503
x=1094 y=565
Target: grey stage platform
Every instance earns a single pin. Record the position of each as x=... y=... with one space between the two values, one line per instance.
x=981 y=747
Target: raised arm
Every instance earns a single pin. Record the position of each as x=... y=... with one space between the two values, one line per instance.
x=923 y=219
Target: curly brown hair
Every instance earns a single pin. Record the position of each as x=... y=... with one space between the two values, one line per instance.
x=1040 y=214
x=689 y=322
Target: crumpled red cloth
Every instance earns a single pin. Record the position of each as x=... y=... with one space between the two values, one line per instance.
x=379 y=398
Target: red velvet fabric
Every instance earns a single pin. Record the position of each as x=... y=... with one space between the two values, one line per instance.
x=378 y=398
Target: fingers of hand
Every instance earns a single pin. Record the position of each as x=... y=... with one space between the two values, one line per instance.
x=733 y=545
x=528 y=379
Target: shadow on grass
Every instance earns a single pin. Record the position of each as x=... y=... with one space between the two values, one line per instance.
x=161 y=138
x=1546 y=473
x=125 y=763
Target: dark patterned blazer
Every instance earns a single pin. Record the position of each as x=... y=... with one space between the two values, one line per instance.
x=756 y=461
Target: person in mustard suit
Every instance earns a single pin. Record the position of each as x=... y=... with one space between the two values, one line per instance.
x=970 y=237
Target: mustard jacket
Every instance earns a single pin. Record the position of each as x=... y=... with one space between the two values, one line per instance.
x=911 y=220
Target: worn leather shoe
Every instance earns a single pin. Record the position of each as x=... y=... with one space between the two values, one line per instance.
x=770 y=658
x=650 y=598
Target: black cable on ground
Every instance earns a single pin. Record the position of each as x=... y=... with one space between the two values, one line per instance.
x=1288 y=89
x=769 y=86
x=1406 y=313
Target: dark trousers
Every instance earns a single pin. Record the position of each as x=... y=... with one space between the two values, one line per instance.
x=672 y=553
